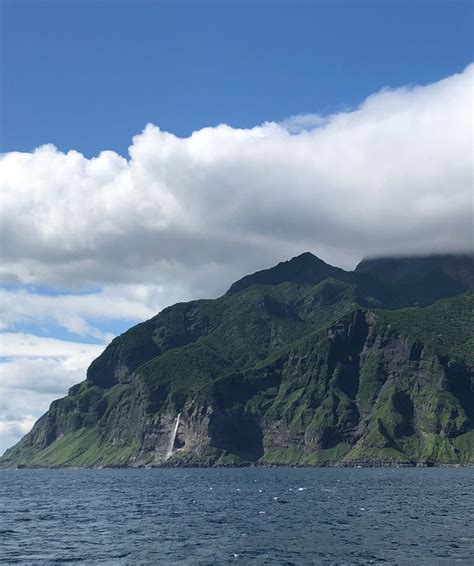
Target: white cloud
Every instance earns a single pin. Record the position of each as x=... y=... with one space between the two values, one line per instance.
x=36 y=371
x=12 y=430
x=16 y=344
x=72 y=311
x=302 y=122
x=394 y=175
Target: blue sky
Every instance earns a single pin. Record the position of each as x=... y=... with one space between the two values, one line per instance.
x=275 y=128
x=89 y=75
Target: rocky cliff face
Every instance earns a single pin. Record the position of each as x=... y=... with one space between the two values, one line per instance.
x=279 y=372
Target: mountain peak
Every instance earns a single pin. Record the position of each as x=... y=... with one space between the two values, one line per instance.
x=304 y=268
x=305 y=258
x=305 y=255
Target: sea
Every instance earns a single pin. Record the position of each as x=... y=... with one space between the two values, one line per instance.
x=237 y=516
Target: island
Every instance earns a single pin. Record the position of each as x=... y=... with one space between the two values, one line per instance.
x=300 y=364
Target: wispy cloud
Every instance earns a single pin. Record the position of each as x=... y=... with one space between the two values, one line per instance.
x=73 y=312
x=34 y=371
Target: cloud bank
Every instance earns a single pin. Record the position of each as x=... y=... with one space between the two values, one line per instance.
x=392 y=176
x=116 y=238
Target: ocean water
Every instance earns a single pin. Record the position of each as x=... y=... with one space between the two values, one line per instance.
x=241 y=516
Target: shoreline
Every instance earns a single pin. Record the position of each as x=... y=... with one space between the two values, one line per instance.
x=377 y=465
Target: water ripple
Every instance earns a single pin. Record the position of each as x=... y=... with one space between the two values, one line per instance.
x=248 y=516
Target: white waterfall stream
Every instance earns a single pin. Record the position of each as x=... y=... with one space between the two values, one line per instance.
x=169 y=452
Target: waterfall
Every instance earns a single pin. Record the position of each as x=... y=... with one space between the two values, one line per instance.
x=169 y=452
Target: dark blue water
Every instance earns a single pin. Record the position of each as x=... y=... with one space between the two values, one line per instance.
x=244 y=516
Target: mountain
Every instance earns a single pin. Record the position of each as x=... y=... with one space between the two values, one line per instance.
x=305 y=268
x=300 y=364
x=420 y=281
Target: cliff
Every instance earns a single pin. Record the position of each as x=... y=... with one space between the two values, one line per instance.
x=300 y=364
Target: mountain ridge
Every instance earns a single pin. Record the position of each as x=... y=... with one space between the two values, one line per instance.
x=304 y=268
x=301 y=364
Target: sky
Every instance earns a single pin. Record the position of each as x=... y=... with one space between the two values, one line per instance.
x=154 y=152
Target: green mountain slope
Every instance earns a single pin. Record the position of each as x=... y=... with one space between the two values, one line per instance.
x=300 y=364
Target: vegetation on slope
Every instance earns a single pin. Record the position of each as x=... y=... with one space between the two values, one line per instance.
x=310 y=366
